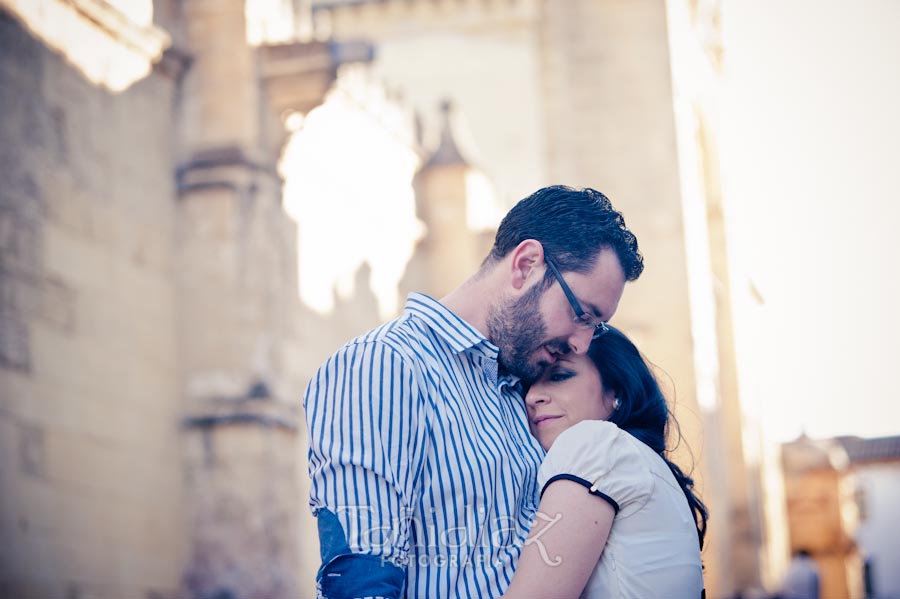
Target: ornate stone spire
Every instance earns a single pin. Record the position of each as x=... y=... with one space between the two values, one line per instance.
x=447 y=152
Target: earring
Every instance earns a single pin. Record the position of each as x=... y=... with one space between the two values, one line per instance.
x=617 y=403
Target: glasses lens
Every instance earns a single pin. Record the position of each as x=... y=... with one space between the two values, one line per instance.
x=585 y=320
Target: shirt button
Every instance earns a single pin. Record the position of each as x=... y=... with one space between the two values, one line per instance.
x=490 y=369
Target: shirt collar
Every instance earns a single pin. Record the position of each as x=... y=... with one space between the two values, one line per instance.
x=458 y=333
x=506 y=378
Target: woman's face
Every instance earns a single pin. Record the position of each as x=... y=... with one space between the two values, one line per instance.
x=568 y=392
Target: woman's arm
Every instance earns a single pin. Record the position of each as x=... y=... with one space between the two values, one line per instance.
x=564 y=544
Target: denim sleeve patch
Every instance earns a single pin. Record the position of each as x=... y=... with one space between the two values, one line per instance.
x=348 y=575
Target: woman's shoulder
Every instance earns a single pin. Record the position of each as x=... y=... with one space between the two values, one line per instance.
x=603 y=458
x=589 y=429
x=594 y=438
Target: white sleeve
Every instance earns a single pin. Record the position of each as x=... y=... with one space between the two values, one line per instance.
x=604 y=459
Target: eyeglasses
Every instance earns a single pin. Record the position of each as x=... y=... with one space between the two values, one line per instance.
x=581 y=317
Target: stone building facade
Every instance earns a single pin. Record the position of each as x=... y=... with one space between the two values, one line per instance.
x=823 y=513
x=92 y=489
x=150 y=325
x=840 y=496
x=876 y=467
x=152 y=346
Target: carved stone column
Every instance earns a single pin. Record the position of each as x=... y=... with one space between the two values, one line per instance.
x=237 y=285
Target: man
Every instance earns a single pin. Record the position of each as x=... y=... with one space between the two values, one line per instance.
x=801 y=581
x=423 y=469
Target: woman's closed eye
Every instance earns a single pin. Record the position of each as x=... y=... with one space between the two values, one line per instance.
x=559 y=374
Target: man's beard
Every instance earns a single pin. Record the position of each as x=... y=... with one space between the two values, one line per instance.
x=519 y=331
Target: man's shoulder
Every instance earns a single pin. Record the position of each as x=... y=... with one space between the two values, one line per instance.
x=406 y=336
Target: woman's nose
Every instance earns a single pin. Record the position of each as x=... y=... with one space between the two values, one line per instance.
x=535 y=399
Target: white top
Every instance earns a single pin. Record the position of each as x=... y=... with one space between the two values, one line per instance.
x=652 y=550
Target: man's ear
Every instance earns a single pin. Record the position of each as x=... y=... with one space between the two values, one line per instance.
x=527 y=263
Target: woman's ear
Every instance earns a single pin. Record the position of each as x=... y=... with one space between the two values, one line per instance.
x=527 y=263
x=611 y=402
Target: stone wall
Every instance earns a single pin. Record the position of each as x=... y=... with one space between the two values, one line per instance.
x=609 y=122
x=92 y=486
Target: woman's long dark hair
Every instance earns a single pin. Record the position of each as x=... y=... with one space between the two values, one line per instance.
x=643 y=411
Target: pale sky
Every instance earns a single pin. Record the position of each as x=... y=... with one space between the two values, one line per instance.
x=811 y=167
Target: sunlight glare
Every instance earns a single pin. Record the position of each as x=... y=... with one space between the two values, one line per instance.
x=348 y=175
x=112 y=44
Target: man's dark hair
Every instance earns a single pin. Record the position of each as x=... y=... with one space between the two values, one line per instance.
x=573 y=225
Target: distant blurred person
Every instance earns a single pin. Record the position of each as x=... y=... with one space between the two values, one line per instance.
x=424 y=472
x=617 y=519
x=802 y=578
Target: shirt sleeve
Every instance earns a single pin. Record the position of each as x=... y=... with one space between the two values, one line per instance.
x=366 y=437
x=605 y=460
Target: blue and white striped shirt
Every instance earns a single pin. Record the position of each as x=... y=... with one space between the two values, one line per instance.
x=423 y=454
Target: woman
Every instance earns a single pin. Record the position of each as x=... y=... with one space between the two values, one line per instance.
x=616 y=518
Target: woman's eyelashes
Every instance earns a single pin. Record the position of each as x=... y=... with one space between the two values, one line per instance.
x=560 y=375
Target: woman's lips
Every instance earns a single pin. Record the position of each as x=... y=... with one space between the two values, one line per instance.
x=540 y=420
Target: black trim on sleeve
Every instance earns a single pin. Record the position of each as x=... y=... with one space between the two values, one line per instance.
x=585 y=484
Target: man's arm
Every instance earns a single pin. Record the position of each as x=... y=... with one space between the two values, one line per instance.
x=363 y=412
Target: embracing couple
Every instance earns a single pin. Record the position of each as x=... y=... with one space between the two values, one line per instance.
x=505 y=440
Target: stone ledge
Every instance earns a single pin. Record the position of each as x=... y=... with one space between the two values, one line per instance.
x=256 y=405
x=264 y=420
x=297 y=76
x=104 y=44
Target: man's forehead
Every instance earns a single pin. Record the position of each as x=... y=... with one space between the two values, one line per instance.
x=604 y=281
x=597 y=290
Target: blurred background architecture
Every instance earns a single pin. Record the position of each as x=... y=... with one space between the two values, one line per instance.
x=840 y=496
x=202 y=199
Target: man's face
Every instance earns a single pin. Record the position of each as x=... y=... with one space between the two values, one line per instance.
x=533 y=330
x=517 y=328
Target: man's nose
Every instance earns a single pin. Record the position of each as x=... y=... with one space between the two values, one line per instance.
x=580 y=340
